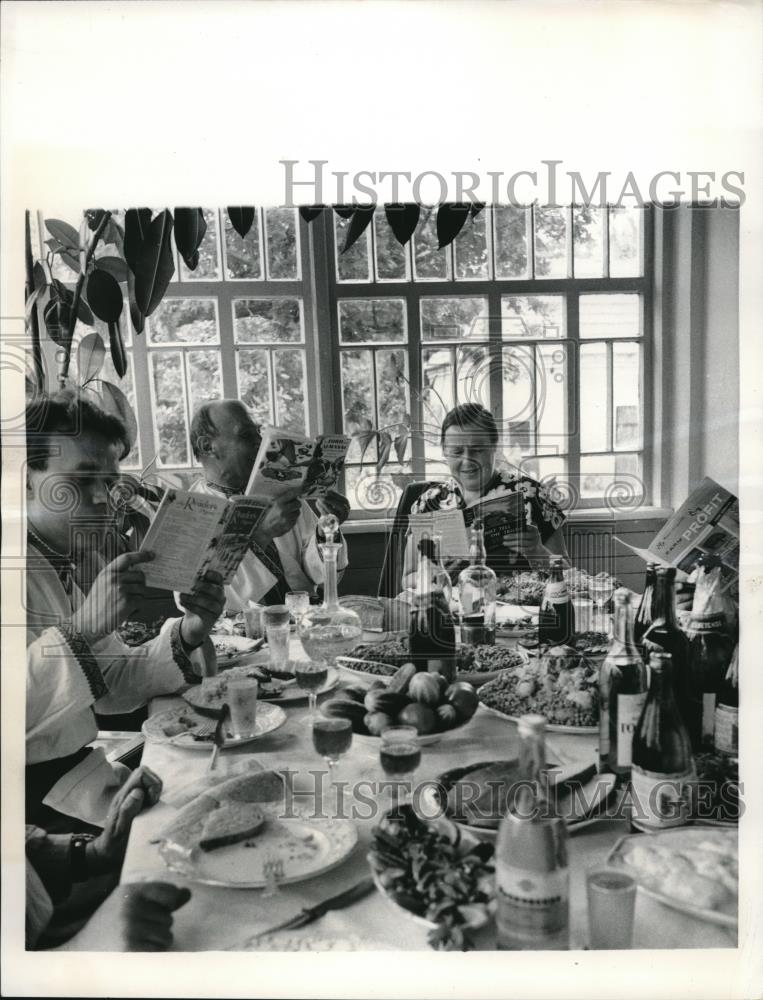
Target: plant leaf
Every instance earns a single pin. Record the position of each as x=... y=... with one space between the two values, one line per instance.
x=137 y=221
x=310 y=212
x=90 y=355
x=190 y=227
x=56 y=317
x=32 y=299
x=402 y=219
x=364 y=439
x=94 y=217
x=361 y=218
x=115 y=401
x=83 y=313
x=63 y=232
x=118 y=355
x=70 y=259
x=385 y=446
x=54 y=245
x=136 y=316
x=104 y=295
x=155 y=266
x=113 y=233
x=401 y=443
x=476 y=208
x=344 y=211
x=38 y=276
x=115 y=266
x=451 y=217
x=242 y=219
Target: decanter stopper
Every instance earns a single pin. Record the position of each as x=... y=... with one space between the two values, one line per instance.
x=329 y=525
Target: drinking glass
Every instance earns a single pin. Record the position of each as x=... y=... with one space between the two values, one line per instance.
x=242 y=701
x=276 y=615
x=601 y=588
x=310 y=676
x=298 y=602
x=253 y=621
x=400 y=755
x=278 y=645
x=332 y=738
x=611 y=905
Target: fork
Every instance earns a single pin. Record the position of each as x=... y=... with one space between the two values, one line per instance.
x=219 y=735
x=272 y=869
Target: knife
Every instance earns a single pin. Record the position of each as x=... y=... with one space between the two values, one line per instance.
x=219 y=737
x=312 y=913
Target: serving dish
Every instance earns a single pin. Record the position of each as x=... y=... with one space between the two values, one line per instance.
x=184 y=728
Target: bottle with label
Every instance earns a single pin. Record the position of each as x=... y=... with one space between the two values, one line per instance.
x=710 y=651
x=477 y=585
x=622 y=692
x=664 y=636
x=662 y=770
x=531 y=869
x=726 y=732
x=644 y=613
x=556 y=619
x=432 y=634
x=440 y=576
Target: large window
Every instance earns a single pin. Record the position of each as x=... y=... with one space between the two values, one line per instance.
x=540 y=314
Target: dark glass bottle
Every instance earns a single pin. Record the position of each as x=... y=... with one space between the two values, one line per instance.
x=664 y=636
x=622 y=692
x=432 y=634
x=662 y=770
x=556 y=621
x=726 y=729
x=643 y=617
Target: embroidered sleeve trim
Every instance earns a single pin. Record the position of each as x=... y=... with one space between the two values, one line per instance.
x=181 y=658
x=87 y=662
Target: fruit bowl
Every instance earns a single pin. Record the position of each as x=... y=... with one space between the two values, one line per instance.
x=425 y=740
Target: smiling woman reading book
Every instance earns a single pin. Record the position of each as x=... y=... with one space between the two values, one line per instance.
x=469 y=440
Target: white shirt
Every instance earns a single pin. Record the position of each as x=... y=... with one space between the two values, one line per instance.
x=300 y=557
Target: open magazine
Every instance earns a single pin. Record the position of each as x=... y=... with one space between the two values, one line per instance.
x=501 y=515
x=707 y=522
x=288 y=463
x=195 y=532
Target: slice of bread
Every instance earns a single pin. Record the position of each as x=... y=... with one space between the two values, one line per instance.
x=231 y=823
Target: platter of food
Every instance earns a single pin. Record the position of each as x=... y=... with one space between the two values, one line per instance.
x=436 y=877
x=474 y=664
x=231 y=650
x=184 y=728
x=364 y=669
x=692 y=870
x=226 y=836
x=280 y=686
x=522 y=588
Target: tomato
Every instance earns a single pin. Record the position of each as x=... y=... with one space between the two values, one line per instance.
x=420 y=716
x=447 y=716
x=463 y=698
x=425 y=689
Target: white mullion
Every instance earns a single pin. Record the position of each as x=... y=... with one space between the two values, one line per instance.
x=605 y=240
x=187 y=401
x=530 y=233
x=570 y=229
x=274 y=414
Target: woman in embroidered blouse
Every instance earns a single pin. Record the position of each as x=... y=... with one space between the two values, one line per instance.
x=469 y=440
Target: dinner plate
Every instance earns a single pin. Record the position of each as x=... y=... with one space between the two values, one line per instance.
x=209 y=704
x=346 y=664
x=269 y=718
x=683 y=837
x=300 y=941
x=231 y=650
x=551 y=727
x=307 y=846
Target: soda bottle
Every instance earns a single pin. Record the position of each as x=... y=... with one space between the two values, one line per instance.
x=531 y=869
x=432 y=634
x=477 y=585
x=556 y=620
x=622 y=692
x=662 y=770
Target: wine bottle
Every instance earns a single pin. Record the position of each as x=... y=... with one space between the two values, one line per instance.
x=556 y=620
x=531 y=869
x=622 y=692
x=644 y=613
x=432 y=634
x=477 y=585
x=710 y=651
x=664 y=635
x=440 y=576
x=662 y=771
x=726 y=729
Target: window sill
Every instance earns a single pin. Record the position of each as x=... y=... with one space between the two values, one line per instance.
x=590 y=515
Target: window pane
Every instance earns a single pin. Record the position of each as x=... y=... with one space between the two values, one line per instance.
x=204 y=376
x=289 y=371
x=473 y=375
x=369 y=492
x=391 y=258
x=437 y=368
x=253 y=373
x=208 y=268
x=371 y=320
x=454 y=319
x=267 y=321
x=281 y=230
x=510 y=242
x=358 y=399
x=519 y=379
x=625 y=242
x=471 y=248
x=355 y=265
x=552 y=473
x=551 y=397
x=589 y=242
x=538 y=317
x=392 y=388
x=626 y=396
x=169 y=408
x=550 y=242
x=243 y=257
x=429 y=262
x=610 y=316
x=615 y=478
x=184 y=321
x=594 y=394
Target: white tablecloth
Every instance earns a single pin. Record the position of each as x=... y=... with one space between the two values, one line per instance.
x=217 y=918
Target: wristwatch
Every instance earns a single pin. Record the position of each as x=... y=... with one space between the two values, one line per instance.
x=78 y=856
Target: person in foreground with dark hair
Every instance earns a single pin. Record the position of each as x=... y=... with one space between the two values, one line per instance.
x=469 y=439
x=77 y=596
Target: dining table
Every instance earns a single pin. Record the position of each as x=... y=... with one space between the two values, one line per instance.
x=223 y=918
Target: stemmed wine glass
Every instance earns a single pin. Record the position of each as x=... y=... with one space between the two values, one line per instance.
x=298 y=602
x=310 y=676
x=332 y=738
x=601 y=588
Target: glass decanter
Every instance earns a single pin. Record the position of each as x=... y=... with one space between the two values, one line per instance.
x=329 y=630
